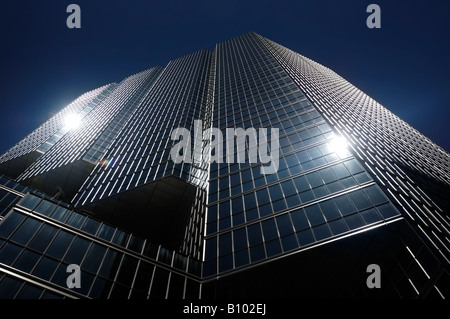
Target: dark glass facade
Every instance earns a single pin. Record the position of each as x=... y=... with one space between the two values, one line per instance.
x=354 y=185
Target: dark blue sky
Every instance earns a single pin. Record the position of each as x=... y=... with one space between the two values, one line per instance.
x=44 y=65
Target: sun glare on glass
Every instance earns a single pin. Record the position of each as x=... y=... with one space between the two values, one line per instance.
x=72 y=121
x=339 y=146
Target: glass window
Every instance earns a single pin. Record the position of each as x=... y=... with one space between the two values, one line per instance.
x=321 y=232
x=26 y=231
x=225 y=262
x=370 y=216
x=375 y=195
x=45 y=268
x=10 y=223
x=329 y=209
x=60 y=214
x=241 y=258
x=120 y=238
x=250 y=201
x=254 y=234
x=275 y=192
x=110 y=264
x=91 y=226
x=100 y=289
x=284 y=225
x=327 y=175
x=360 y=200
x=60 y=244
x=314 y=179
x=9 y=253
x=257 y=253
x=143 y=277
x=354 y=221
x=224 y=209
x=10 y=199
x=77 y=251
x=211 y=248
x=76 y=220
x=106 y=232
x=159 y=284
x=263 y=196
x=127 y=270
x=288 y=188
x=94 y=258
x=27 y=261
x=340 y=171
x=344 y=205
x=338 y=226
x=305 y=237
x=314 y=214
x=269 y=229
x=289 y=242
x=29 y=291
x=9 y=287
x=353 y=166
x=237 y=205
x=45 y=207
x=43 y=237
x=30 y=201
x=273 y=247
x=299 y=219
x=136 y=243
x=301 y=183
x=387 y=210
x=176 y=288
x=225 y=244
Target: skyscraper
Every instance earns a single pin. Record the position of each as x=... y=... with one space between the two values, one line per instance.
x=356 y=206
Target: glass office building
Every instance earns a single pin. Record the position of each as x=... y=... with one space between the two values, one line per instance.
x=354 y=186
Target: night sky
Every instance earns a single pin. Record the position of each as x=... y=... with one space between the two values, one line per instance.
x=44 y=65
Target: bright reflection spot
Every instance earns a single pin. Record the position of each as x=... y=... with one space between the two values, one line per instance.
x=72 y=121
x=339 y=146
x=105 y=162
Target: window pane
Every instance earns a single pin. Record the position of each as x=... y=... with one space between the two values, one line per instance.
x=60 y=244
x=91 y=226
x=94 y=258
x=299 y=220
x=269 y=229
x=76 y=220
x=30 y=201
x=45 y=268
x=284 y=225
x=43 y=237
x=45 y=207
x=77 y=251
x=254 y=234
x=127 y=270
x=106 y=232
x=29 y=291
x=9 y=253
x=26 y=231
x=60 y=214
x=27 y=260
x=9 y=287
x=8 y=225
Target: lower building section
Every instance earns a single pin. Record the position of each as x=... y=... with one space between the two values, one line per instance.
x=48 y=249
x=342 y=269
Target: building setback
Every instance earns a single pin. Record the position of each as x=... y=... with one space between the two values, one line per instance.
x=355 y=189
